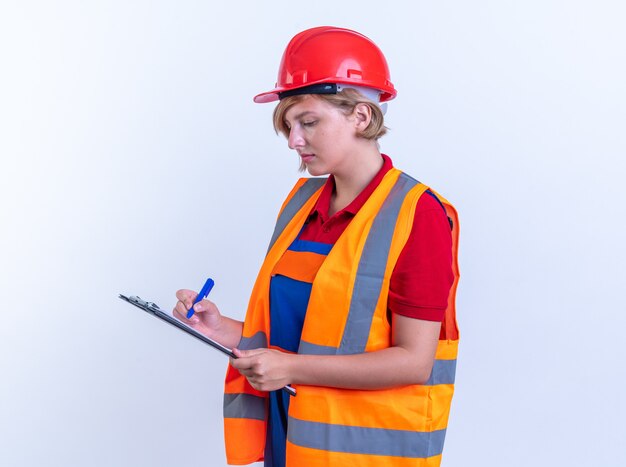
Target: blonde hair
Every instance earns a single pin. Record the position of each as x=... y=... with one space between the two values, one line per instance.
x=346 y=100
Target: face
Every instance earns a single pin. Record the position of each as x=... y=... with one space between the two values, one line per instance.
x=324 y=137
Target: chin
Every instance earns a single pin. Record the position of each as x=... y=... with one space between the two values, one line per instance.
x=316 y=172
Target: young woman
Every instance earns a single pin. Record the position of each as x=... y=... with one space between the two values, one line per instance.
x=354 y=303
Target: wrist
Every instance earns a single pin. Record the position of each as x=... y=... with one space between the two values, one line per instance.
x=210 y=328
x=294 y=368
x=226 y=331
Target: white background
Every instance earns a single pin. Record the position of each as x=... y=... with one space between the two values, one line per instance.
x=134 y=161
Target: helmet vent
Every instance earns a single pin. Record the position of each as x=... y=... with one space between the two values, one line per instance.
x=358 y=74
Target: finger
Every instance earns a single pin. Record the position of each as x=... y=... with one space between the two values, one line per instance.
x=246 y=363
x=241 y=364
x=200 y=307
x=249 y=374
x=182 y=316
x=180 y=308
x=185 y=293
x=255 y=385
x=249 y=353
x=186 y=296
x=205 y=306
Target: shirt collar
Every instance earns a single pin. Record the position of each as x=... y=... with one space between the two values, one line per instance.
x=323 y=202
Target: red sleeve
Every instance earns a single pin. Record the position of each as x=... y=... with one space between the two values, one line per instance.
x=421 y=280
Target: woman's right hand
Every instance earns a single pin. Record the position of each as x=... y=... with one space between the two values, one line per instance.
x=206 y=318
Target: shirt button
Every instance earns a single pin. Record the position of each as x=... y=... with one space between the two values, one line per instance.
x=326 y=229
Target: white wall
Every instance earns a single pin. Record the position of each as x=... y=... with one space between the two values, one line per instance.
x=133 y=160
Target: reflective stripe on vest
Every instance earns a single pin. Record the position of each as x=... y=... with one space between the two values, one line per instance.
x=244 y=406
x=258 y=341
x=363 y=440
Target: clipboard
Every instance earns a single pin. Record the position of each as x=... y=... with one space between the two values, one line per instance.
x=154 y=310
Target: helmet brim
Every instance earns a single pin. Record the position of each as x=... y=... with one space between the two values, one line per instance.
x=265 y=97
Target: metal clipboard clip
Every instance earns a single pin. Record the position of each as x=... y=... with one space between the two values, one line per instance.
x=153 y=309
x=148 y=306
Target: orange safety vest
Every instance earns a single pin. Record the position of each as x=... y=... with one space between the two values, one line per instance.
x=347 y=314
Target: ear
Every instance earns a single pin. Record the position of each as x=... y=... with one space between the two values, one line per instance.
x=362 y=117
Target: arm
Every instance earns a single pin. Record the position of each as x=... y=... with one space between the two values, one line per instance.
x=207 y=319
x=408 y=361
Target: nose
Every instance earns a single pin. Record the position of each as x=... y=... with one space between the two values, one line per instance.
x=295 y=139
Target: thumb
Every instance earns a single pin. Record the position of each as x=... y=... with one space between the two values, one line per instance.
x=238 y=354
x=248 y=353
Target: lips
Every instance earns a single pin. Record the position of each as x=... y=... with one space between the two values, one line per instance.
x=307 y=157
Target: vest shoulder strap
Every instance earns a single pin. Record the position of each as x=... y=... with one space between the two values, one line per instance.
x=300 y=194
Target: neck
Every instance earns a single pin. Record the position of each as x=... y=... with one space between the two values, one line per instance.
x=352 y=181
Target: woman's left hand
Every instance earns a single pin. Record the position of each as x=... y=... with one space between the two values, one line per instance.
x=265 y=369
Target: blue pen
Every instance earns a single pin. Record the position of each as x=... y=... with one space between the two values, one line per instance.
x=204 y=293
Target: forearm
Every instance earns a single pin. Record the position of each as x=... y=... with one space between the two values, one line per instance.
x=409 y=360
x=394 y=366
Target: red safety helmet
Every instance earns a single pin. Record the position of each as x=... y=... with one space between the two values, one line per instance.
x=318 y=59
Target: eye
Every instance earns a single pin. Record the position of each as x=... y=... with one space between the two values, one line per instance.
x=309 y=123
